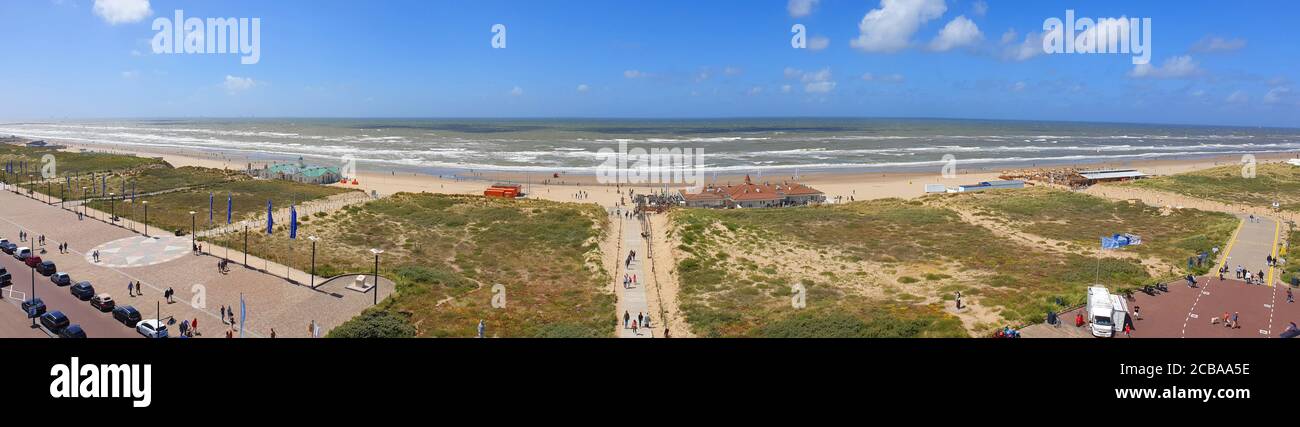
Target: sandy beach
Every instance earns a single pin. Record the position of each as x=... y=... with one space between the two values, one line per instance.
x=566 y=187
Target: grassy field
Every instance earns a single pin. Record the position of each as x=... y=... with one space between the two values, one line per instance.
x=1291 y=271
x=1079 y=221
x=170 y=211
x=71 y=163
x=147 y=179
x=883 y=268
x=1272 y=182
x=446 y=253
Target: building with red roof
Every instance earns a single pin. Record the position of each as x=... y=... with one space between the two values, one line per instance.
x=751 y=195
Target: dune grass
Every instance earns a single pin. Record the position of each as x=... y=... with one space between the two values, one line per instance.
x=1272 y=182
x=171 y=211
x=1082 y=220
x=70 y=162
x=725 y=292
x=447 y=252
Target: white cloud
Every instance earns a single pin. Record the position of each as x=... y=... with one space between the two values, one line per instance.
x=1009 y=36
x=733 y=71
x=1018 y=87
x=1237 y=97
x=786 y=88
x=517 y=91
x=238 y=84
x=1278 y=95
x=583 y=88
x=122 y=11
x=1218 y=44
x=755 y=90
x=791 y=73
x=959 y=32
x=130 y=74
x=634 y=74
x=979 y=8
x=818 y=82
x=703 y=75
x=801 y=8
x=818 y=43
x=885 y=78
x=1031 y=46
x=1174 y=68
x=890 y=28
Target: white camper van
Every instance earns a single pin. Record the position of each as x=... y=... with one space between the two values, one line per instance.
x=1101 y=312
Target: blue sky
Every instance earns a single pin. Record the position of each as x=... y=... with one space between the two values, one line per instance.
x=1211 y=63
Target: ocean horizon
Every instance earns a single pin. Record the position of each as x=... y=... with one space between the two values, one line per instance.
x=729 y=145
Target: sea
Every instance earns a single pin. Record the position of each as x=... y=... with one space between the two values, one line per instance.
x=728 y=145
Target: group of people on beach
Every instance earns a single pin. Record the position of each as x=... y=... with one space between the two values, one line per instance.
x=642 y=321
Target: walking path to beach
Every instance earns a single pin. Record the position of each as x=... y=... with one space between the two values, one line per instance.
x=632 y=300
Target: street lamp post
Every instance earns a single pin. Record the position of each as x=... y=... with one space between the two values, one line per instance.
x=112 y=207
x=34 y=294
x=245 y=245
x=376 y=252
x=193 y=232
x=313 y=260
x=85 y=201
x=146 y=217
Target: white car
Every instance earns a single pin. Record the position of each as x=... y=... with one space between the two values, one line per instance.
x=22 y=253
x=151 y=328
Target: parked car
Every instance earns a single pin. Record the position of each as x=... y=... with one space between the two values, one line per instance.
x=151 y=328
x=55 y=321
x=34 y=307
x=103 y=302
x=72 y=331
x=126 y=314
x=46 y=268
x=4 y=242
x=22 y=253
x=9 y=247
x=32 y=261
x=61 y=279
x=6 y=279
x=82 y=290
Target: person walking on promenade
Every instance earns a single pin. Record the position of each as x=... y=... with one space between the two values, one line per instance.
x=626 y=318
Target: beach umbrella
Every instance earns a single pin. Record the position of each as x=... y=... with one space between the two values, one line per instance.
x=293 y=223
x=270 y=222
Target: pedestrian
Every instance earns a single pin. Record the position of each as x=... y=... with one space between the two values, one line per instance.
x=640 y=318
x=482 y=328
x=647 y=321
x=272 y=332
x=634 y=331
x=130 y=288
x=626 y=317
x=1137 y=312
x=1235 y=325
x=223 y=315
x=666 y=334
x=194 y=326
x=1289 y=298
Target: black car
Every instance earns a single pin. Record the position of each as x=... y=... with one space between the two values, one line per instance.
x=8 y=247
x=34 y=307
x=6 y=279
x=46 y=268
x=55 y=321
x=126 y=314
x=103 y=302
x=82 y=290
x=72 y=331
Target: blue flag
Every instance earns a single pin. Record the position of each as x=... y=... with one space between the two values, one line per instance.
x=230 y=205
x=210 y=196
x=243 y=314
x=270 y=222
x=293 y=223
